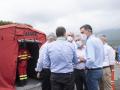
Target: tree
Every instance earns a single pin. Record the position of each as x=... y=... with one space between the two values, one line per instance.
x=5 y=22
x=9 y=22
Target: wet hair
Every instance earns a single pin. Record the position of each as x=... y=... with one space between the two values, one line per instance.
x=87 y=27
x=60 y=31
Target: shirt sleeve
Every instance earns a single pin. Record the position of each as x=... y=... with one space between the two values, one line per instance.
x=75 y=59
x=40 y=60
x=90 y=54
x=112 y=56
x=46 y=58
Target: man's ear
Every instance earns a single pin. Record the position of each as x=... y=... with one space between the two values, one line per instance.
x=65 y=34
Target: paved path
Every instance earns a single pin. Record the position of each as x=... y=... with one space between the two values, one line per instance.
x=36 y=85
x=31 y=85
x=117 y=77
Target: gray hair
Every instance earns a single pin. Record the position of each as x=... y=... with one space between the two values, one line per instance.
x=78 y=37
x=103 y=36
x=51 y=37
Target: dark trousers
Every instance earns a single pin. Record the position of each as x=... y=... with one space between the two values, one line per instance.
x=62 y=81
x=80 y=79
x=45 y=76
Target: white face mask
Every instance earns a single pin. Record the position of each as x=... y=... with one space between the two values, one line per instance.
x=83 y=36
x=69 y=38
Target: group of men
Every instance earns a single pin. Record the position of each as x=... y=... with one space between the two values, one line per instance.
x=67 y=60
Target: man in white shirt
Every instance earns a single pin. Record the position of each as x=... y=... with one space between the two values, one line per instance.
x=108 y=65
x=95 y=57
x=79 y=71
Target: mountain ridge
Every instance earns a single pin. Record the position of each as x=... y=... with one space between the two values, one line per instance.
x=113 y=36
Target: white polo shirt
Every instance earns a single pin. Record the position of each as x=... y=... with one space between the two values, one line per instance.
x=109 y=55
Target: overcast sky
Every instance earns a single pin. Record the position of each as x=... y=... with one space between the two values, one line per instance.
x=46 y=15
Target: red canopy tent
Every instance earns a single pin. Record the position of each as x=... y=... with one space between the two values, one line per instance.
x=9 y=37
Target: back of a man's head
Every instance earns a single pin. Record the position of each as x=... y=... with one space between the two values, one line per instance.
x=60 y=31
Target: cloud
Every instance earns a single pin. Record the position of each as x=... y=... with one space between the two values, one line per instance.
x=46 y=15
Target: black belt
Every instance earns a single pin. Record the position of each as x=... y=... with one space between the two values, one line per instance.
x=46 y=68
x=80 y=69
x=106 y=67
x=69 y=73
x=94 y=68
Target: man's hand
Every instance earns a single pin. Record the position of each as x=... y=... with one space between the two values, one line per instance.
x=82 y=59
x=38 y=75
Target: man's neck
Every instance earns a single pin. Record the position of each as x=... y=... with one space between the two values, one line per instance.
x=89 y=35
x=61 y=38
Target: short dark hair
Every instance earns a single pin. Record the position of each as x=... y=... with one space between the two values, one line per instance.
x=87 y=27
x=60 y=31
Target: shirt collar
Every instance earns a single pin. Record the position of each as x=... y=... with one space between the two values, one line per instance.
x=91 y=36
x=61 y=38
x=105 y=44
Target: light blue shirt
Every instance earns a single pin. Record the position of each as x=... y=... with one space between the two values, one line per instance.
x=40 y=63
x=95 y=52
x=61 y=56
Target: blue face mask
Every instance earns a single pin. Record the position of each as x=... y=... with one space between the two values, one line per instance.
x=79 y=44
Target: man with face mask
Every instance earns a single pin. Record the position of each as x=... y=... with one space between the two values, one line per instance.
x=70 y=38
x=79 y=72
x=95 y=57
